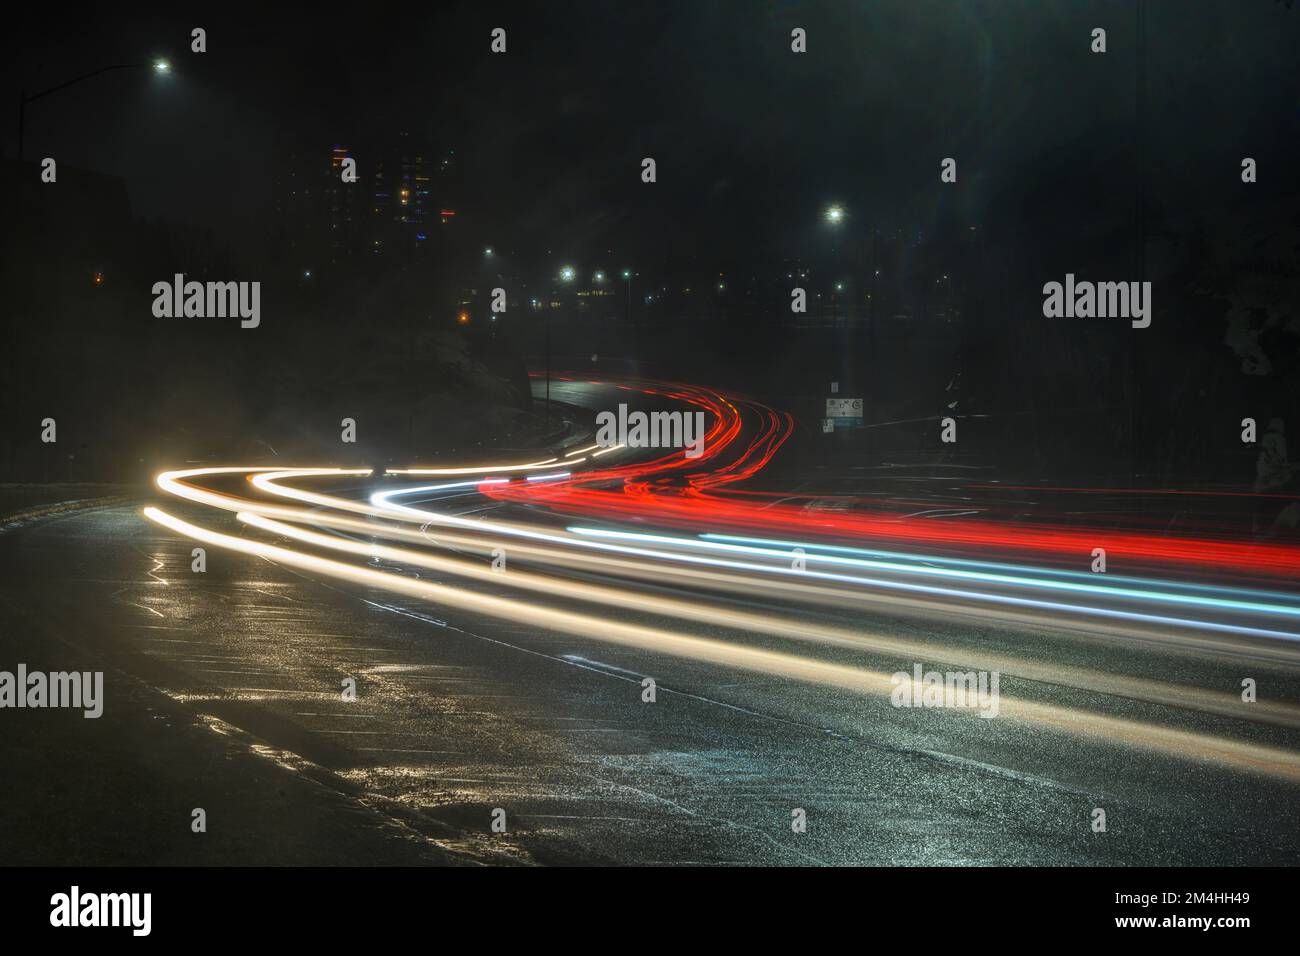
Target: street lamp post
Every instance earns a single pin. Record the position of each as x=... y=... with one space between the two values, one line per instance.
x=627 y=277
x=158 y=66
x=566 y=276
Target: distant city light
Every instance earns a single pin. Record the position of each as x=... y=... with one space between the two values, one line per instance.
x=463 y=318
x=99 y=278
x=627 y=273
x=161 y=66
x=487 y=251
x=599 y=276
x=834 y=215
x=567 y=273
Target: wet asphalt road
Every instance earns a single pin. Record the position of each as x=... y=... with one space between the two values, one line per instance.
x=459 y=714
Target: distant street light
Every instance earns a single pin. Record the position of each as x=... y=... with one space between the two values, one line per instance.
x=158 y=66
x=599 y=276
x=488 y=252
x=567 y=274
x=627 y=277
x=835 y=215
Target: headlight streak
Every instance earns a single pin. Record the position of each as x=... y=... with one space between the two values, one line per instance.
x=968 y=563
x=267 y=478
x=384 y=500
x=582 y=625
x=473 y=539
x=643 y=491
x=174 y=483
x=1019 y=580
x=1252 y=757
x=779 y=627
x=1259 y=758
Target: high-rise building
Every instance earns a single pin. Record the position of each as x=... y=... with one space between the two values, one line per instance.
x=395 y=208
x=318 y=213
x=342 y=207
x=448 y=180
x=401 y=197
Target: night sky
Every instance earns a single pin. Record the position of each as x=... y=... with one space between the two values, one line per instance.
x=751 y=140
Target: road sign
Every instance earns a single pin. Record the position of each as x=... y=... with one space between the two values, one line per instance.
x=843 y=413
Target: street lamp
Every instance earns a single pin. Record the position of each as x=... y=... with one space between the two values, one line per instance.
x=627 y=277
x=159 y=66
x=567 y=274
x=834 y=214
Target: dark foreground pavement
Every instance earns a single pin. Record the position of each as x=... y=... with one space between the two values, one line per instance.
x=223 y=692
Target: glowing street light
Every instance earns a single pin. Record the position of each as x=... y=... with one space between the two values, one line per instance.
x=599 y=276
x=835 y=215
x=488 y=252
x=159 y=66
x=567 y=274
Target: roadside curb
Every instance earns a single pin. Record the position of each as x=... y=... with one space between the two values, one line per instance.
x=26 y=516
